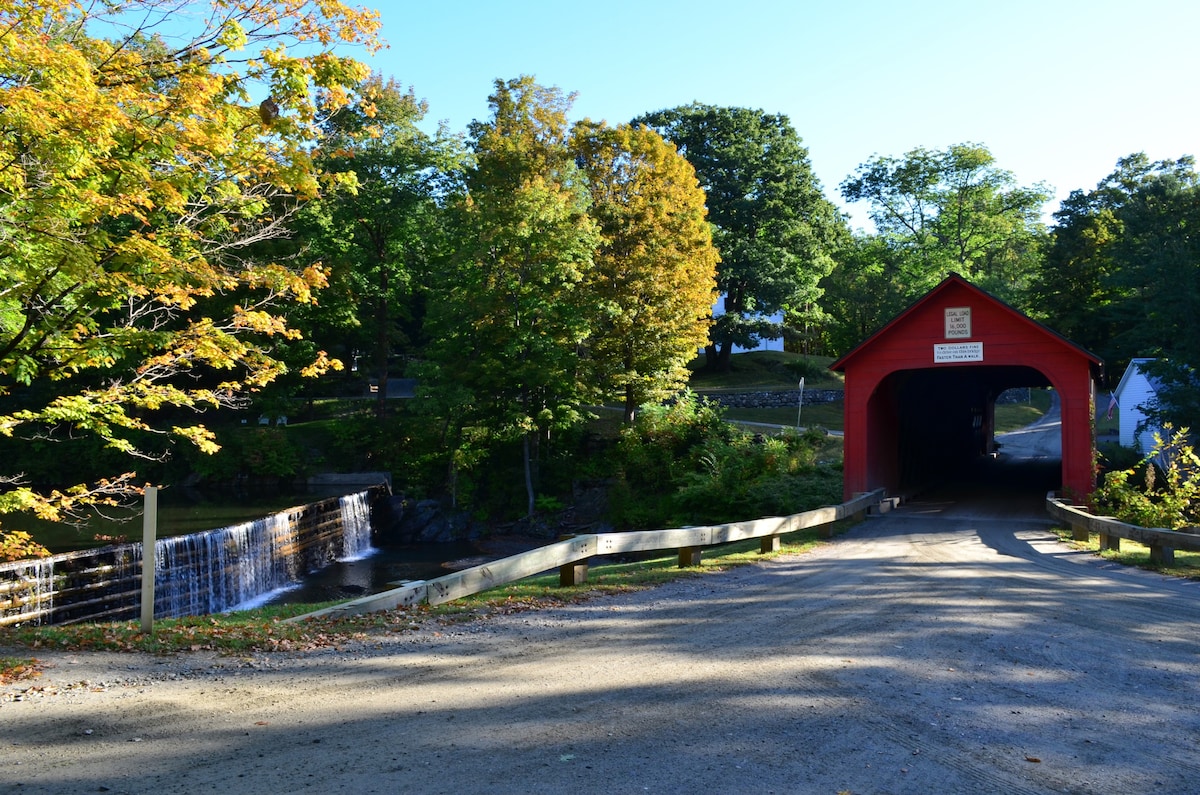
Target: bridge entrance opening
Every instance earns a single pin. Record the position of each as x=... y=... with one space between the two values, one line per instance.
x=944 y=421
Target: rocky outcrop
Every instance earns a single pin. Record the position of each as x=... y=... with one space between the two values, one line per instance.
x=401 y=520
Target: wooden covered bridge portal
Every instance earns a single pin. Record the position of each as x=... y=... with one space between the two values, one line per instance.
x=921 y=392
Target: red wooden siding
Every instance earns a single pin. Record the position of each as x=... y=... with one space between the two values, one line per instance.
x=1017 y=351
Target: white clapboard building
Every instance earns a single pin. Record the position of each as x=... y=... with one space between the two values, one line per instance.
x=1133 y=395
x=764 y=344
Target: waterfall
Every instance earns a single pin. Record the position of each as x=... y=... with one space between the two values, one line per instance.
x=356 y=523
x=244 y=565
x=196 y=574
x=36 y=587
x=209 y=572
x=43 y=584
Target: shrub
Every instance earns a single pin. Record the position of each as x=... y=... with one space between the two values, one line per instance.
x=682 y=465
x=257 y=452
x=1169 y=493
x=807 y=368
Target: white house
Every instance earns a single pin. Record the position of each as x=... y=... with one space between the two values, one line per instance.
x=1133 y=394
x=773 y=344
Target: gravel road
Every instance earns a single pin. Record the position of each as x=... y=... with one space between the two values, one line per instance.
x=951 y=646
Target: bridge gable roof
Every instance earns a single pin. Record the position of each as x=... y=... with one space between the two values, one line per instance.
x=906 y=340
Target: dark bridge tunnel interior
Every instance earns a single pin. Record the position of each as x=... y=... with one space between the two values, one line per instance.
x=944 y=422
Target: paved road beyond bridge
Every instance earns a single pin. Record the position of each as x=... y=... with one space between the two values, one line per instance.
x=951 y=646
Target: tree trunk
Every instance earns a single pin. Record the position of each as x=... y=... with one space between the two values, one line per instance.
x=383 y=347
x=529 y=491
x=630 y=405
x=724 y=361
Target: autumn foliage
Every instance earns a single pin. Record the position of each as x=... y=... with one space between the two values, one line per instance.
x=147 y=149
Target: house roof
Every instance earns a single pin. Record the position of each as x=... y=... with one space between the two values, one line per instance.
x=1133 y=370
x=932 y=296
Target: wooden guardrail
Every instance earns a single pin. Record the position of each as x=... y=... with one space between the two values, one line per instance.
x=570 y=556
x=1162 y=542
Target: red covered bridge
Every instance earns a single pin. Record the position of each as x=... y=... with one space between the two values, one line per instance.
x=921 y=392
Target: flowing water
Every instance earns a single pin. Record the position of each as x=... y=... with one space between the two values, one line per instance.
x=253 y=564
x=265 y=561
x=246 y=564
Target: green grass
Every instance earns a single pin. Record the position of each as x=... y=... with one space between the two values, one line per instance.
x=1105 y=426
x=774 y=371
x=767 y=370
x=825 y=415
x=1131 y=553
x=1011 y=416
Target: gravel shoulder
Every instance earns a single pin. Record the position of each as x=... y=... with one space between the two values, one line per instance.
x=950 y=646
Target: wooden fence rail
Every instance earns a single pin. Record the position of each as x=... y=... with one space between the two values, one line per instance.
x=1162 y=542
x=570 y=556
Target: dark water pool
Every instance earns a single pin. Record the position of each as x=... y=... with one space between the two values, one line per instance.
x=374 y=573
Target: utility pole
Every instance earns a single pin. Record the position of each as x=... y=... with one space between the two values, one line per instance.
x=800 y=405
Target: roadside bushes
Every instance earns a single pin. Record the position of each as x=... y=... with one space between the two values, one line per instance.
x=682 y=464
x=1163 y=490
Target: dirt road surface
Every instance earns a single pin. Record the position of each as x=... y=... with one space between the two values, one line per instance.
x=952 y=646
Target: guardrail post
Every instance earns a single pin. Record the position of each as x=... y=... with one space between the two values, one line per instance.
x=572 y=574
x=149 y=534
x=1109 y=541
x=768 y=544
x=689 y=557
x=1161 y=556
x=859 y=514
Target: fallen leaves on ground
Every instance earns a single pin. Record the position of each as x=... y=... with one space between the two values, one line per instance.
x=12 y=670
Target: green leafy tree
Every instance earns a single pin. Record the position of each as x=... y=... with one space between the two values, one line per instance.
x=1159 y=281
x=378 y=234
x=954 y=211
x=1074 y=291
x=1122 y=275
x=653 y=275
x=507 y=316
x=144 y=152
x=772 y=226
x=869 y=286
x=1158 y=255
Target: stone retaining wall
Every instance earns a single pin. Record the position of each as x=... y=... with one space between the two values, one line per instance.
x=787 y=398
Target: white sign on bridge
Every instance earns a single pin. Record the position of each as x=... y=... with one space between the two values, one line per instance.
x=958 y=322
x=958 y=352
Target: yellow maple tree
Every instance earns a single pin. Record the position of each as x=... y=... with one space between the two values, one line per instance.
x=146 y=149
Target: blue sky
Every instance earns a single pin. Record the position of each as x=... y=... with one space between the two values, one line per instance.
x=1058 y=90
